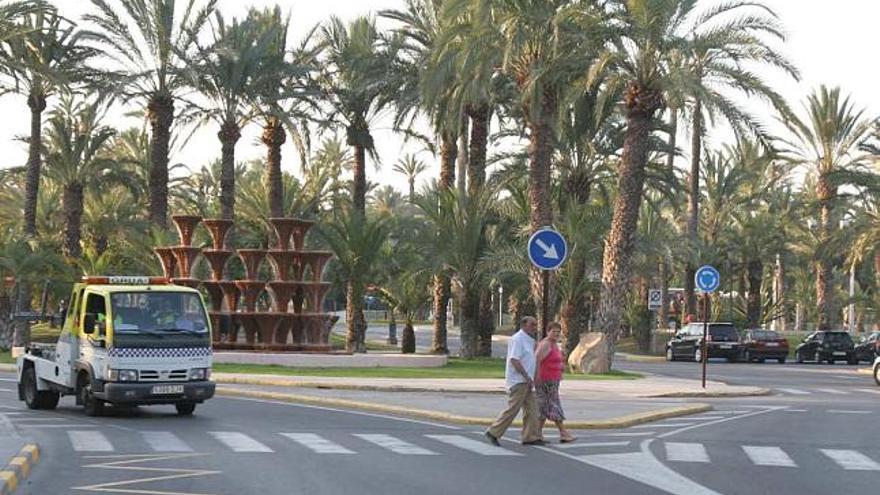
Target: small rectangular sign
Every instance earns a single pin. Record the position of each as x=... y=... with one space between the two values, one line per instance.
x=129 y=280
x=654 y=298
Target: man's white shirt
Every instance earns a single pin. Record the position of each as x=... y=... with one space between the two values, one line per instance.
x=522 y=348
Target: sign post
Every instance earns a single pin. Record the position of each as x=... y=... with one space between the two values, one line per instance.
x=708 y=280
x=547 y=251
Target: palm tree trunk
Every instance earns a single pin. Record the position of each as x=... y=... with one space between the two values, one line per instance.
x=355 y=322
x=470 y=315
x=486 y=323
x=273 y=137
x=779 y=294
x=541 y=142
x=663 y=313
x=825 y=193
x=160 y=113
x=693 y=204
x=412 y=188
x=463 y=158
x=72 y=204
x=641 y=103
x=756 y=275
x=229 y=134
x=37 y=103
x=476 y=165
x=359 y=186
x=448 y=154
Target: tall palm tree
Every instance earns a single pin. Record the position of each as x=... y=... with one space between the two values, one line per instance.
x=77 y=160
x=725 y=43
x=151 y=41
x=356 y=62
x=827 y=141
x=228 y=73
x=410 y=167
x=46 y=56
x=645 y=37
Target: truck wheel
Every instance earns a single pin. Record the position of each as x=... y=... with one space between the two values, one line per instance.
x=877 y=374
x=29 y=384
x=185 y=408
x=92 y=405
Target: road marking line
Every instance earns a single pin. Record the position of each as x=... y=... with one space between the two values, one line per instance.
x=394 y=444
x=591 y=444
x=869 y=390
x=129 y=463
x=317 y=443
x=831 y=391
x=686 y=452
x=794 y=410
x=706 y=418
x=89 y=441
x=845 y=411
x=239 y=442
x=644 y=468
x=851 y=460
x=56 y=425
x=6 y=390
x=768 y=456
x=477 y=447
x=13 y=380
x=165 y=441
x=661 y=425
x=640 y=434
x=794 y=391
x=725 y=420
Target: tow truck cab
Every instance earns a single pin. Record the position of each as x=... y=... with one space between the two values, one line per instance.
x=125 y=341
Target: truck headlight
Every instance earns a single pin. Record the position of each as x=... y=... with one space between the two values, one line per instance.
x=199 y=373
x=122 y=375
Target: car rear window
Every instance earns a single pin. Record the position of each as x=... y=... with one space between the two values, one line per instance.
x=765 y=335
x=726 y=331
x=837 y=337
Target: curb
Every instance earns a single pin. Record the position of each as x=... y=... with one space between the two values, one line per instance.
x=706 y=395
x=865 y=371
x=274 y=382
x=7 y=367
x=637 y=358
x=619 y=422
x=19 y=468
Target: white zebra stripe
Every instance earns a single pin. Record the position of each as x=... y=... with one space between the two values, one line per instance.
x=393 y=444
x=317 y=443
x=768 y=456
x=89 y=441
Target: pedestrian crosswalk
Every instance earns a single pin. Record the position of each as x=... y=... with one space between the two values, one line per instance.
x=804 y=391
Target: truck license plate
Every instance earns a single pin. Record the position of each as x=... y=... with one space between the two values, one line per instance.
x=840 y=354
x=772 y=344
x=167 y=389
x=726 y=346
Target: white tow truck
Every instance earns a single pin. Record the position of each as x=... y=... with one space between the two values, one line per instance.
x=125 y=341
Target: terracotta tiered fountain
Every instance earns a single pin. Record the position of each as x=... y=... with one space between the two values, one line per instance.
x=234 y=303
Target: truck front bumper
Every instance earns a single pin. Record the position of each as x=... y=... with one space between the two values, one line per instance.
x=155 y=393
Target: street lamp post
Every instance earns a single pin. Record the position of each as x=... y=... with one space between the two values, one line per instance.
x=500 y=306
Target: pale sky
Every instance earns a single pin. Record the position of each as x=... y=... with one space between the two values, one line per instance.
x=833 y=43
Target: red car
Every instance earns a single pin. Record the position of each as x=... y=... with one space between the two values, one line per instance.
x=759 y=344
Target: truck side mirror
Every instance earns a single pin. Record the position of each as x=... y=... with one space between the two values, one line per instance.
x=89 y=323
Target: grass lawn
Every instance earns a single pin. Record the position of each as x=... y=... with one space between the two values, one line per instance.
x=6 y=357
x=457 y=368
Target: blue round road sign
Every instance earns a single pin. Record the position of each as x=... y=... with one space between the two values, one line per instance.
x=707 y=278
x=547 y=249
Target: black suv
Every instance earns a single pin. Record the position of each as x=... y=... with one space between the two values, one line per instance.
x=827 y=345
x=723 y=342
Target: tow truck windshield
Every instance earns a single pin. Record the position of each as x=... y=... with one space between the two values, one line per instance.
x=158 y=314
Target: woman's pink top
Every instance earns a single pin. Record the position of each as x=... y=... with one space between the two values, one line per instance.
x=551 y=365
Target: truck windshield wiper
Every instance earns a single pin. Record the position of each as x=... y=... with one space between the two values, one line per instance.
x=181 y=330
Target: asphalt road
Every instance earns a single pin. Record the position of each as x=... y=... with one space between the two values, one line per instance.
x=817 y=434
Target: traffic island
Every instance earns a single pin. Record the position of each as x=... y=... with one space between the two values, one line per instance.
x=18 y=468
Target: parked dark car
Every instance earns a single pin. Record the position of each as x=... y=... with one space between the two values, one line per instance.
x=827 y=345
x=868 y=347
x=759 y=344
x=723 y=342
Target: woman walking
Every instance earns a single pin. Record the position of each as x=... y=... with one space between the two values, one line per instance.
x=550 y=364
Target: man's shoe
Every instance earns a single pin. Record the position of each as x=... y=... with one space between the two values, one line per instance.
x=537 y=442
x=492 y=439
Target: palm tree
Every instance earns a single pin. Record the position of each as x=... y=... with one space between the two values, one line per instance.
x=720 y=57
x=643 y=40
x=228 y=73
x=46 y=56
x=356 y=62
x=281 y=101
x=827 y=141
x=151 y=43
x=356 y=242
x=77 y=160
x=410 y=167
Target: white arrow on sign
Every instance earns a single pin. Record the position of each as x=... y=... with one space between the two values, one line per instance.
x=549 y=251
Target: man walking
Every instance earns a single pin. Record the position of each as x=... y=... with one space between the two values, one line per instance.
x=519 y=375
